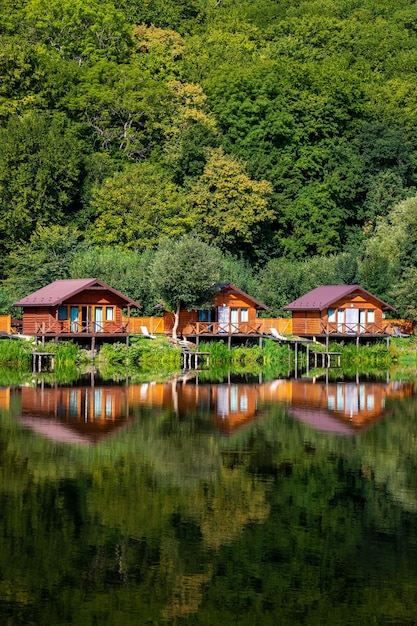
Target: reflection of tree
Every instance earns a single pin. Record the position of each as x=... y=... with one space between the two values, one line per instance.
x=227 y=504
x=185 y=587
x=278 y=516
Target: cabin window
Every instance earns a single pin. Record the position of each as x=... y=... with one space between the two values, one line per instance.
x=371 y=316
x=205 y=315
x=331 y=315
x=244 y=315
x=109 y=313
x=62 y=313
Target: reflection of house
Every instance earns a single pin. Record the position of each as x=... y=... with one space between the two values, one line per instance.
x=339 y=311
x=228 y=406
x=343 y=407
x=85 y=414
x=84 y=308
x=75 y=414
x=232 y=313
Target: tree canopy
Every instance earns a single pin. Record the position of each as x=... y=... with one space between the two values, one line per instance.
x=183 y=273
x=276 y=132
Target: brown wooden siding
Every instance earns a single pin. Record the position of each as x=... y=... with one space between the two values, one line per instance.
x=5 y=324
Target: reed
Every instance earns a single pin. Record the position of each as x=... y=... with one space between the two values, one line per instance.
x=16 y=353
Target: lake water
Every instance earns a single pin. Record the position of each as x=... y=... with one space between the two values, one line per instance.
x=241 y=501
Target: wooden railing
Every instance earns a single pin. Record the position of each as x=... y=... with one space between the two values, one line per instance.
x=227 y=328
x=352 y=329
x=75 y=328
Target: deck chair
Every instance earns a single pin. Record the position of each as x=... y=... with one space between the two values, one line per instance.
x=146 y=333
x=276 y=335
x=397 y=332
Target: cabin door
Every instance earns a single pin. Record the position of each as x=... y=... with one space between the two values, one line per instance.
x=223 y=317
x=234 y=320
x=74 y=319
x=352 y=320
x=98 y=319
x=85 y=319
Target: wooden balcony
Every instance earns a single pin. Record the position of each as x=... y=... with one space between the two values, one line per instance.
x=352 y=329
x=77 y=329
x=198 y=329
x=319 y=328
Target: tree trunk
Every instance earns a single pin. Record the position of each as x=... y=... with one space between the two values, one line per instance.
x=176 y=322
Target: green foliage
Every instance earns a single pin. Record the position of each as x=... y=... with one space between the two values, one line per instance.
x=124 y=270
x=156 y=356
x=229 y=209
x=183 y=272
x=15 y=353
x=275 y=131
x=40 y=166
x=281 y=281
x=78 y=31
x=374 y=355
x=45 y=257
x=136 y=208
x=112 y=353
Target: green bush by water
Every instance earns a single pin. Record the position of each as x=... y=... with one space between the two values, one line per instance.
x=16 y=353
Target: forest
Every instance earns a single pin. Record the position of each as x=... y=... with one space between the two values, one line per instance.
x=282 y=134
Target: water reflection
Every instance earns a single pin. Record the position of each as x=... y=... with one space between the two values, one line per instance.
x=208 y=503
x=86 y=413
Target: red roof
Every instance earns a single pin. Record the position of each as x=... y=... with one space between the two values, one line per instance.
x=322 y=297
x=61 y=290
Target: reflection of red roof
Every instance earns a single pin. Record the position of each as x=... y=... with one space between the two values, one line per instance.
x=322 y=297
x=86 y=433
x=60 y=290
x=321 y=421
x=53 y=430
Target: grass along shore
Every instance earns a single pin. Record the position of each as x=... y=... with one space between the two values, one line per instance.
x=162 y=356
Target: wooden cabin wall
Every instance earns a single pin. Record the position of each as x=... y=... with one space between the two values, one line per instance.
x=235 y=302
x=357 y=302
x=306 y=322
x=35 y=316
x=186 y=318
x=92 y=298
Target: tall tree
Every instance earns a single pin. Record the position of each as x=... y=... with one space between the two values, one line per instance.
x=183 y=272
x=230 y=210
x=78 y=30
x=137 y=207
x=125 y=270
x=40 y=173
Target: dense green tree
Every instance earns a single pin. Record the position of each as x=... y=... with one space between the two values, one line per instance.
x=124 y=107
x=124 y=270
x=193 y=131
x=318 y=100
x=391 y=252
x=230 y=209
x=183 y=272
x=137 y=207
x=40 y=174
x=282 y=280
x=78 y=30
x=182 y=15
x=45 y=257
